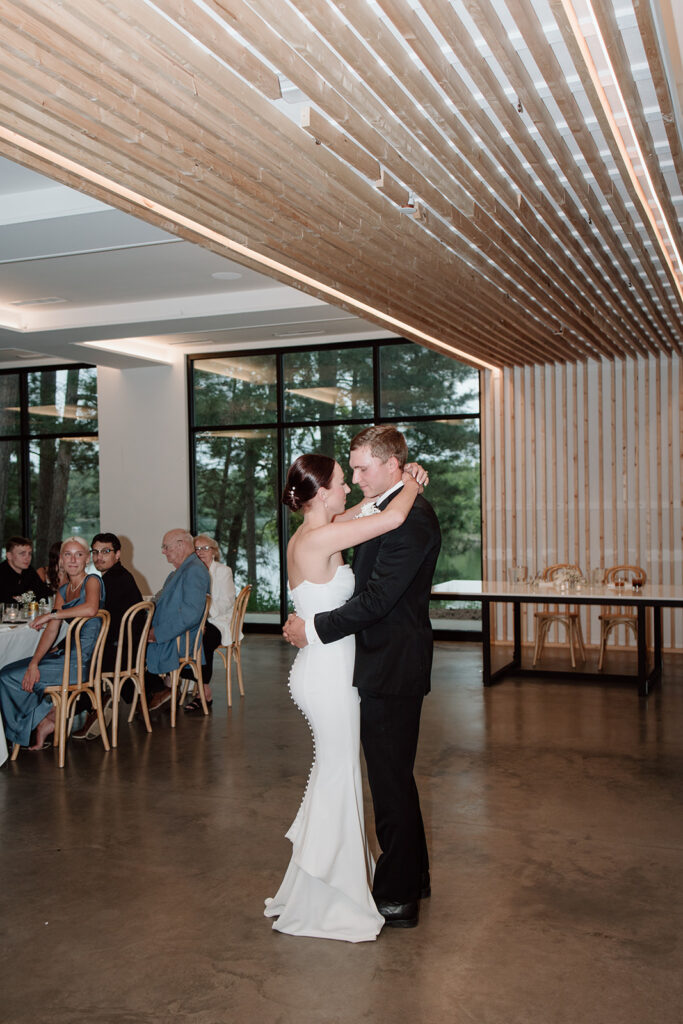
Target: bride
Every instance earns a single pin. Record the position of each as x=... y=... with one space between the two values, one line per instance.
x=326 y=889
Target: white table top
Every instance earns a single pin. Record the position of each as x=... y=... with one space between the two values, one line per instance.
x=650 y=594
x=16 y=642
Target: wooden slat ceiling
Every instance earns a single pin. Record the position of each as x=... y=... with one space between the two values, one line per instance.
x=446 y=169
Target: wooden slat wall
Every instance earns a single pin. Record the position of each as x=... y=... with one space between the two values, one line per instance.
x=583 y=463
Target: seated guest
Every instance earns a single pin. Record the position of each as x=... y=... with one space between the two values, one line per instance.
x=53 y=573
x=22 y=702
x=179 y=607
x=121 y=592
x=17 y=575
x=217 y=628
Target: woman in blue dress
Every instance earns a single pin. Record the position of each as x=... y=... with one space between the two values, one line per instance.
x=23 y=704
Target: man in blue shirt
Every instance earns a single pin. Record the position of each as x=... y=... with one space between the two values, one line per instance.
x=179 y=607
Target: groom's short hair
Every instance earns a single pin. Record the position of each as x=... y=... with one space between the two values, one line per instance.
x=383 y=442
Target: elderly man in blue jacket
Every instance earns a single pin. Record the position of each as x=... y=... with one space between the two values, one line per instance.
x=179 y=607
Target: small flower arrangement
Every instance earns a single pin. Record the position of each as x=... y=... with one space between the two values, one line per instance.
x=27 y=598
x=570 y=577
x=368 y=509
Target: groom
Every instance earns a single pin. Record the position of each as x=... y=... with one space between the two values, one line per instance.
x=389 y=613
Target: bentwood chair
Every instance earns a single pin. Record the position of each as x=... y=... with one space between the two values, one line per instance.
x=190 y=654
x=130 y=663
x=86 y=680
x=232 y=651
x=545 y=618
x=610 y=618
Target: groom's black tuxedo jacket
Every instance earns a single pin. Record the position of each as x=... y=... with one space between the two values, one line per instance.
x=389 y=610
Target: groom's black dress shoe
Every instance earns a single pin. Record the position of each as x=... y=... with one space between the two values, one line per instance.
x=399 y=915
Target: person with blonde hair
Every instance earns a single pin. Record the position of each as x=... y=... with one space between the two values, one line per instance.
x=217 y=628
x=23 y=704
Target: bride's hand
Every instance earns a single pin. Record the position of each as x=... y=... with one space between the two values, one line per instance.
x=294 y=631
x=414 y=469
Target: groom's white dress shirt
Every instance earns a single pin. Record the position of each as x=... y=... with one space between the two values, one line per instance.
x=311 y=635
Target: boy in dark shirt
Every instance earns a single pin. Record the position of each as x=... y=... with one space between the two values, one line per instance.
x=17 y=575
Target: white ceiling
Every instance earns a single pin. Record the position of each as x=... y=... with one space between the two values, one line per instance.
x=131 y=287
x=462 y=182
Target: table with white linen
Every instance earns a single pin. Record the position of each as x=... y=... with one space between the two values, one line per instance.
x=650 y=598
x=16 y=642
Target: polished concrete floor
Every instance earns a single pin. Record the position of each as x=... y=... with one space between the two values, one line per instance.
x=132 y=883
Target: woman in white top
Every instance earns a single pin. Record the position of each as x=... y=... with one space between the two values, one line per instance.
x=217 y=629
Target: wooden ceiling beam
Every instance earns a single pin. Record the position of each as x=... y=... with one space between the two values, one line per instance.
x=550 y=68
x=589 y=252
x=634 y=294
x=494 y=220
x=175 y=101
x=516 y=270
x=635 y=194
x=535 y=210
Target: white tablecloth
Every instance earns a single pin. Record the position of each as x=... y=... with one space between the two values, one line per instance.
x=15 y=642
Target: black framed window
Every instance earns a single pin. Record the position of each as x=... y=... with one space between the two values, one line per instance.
x=251 y=414
x=49 y=455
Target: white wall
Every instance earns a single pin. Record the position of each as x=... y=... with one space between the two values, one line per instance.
x=144 y=463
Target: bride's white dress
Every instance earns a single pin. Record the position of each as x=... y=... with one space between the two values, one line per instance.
x=325 y=892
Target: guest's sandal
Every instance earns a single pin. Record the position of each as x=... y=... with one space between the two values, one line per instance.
x=194 y=707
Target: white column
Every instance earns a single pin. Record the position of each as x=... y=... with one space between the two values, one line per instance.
x=144 y=463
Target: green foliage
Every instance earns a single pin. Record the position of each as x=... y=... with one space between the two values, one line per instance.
x=236 y=467
x=63 y=471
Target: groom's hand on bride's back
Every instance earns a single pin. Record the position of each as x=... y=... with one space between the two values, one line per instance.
x=294 y=631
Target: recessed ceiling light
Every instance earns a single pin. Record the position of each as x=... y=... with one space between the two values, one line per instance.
x=296 y=334
x=53 y=300
x=226 y=275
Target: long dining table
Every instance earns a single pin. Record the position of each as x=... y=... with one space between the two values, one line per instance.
x=650 y=598
x=16 y=641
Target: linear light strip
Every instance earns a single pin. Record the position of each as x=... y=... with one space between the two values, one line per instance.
x=572 y=17
x=149 y=204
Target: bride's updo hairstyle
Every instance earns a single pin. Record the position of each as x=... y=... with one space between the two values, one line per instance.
x=306 y=476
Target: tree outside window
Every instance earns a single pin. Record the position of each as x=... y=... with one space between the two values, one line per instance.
x=253 y=414
x=49 y=455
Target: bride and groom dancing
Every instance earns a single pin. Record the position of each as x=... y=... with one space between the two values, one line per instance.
x=360 y=676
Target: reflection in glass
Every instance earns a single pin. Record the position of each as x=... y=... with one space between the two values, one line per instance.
x=62 y=401
x=9 y=404
x=240 y=389
x=238 y=504
x=10 y=491
x=418 y=382
x=328 y=384
x=65 y=491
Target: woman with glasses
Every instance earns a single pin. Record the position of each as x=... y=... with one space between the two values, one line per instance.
x=217 y=629
x=22 y=702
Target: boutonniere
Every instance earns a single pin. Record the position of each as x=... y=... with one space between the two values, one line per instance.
x=368 y=509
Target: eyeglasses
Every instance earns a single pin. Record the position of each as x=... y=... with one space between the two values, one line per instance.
x=101 y=551
x=204 y=547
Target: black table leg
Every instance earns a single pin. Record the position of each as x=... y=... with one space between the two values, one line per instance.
x=517 y=632
x=642 y=652
x=645 y=681
x=486 y=642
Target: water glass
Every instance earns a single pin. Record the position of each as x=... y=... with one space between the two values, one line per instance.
x=517 y=574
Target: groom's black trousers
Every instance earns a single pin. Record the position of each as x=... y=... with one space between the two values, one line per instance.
x=389 y=728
